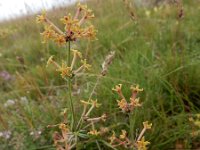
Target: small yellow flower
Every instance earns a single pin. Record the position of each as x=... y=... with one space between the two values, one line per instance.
x=136 y=89
x=123 y=135
x=85 y=65
x=112 y=138
x=117 y=88
x=81 y=7
x=103 y=117
x=77 y=53
x=91 y=102
x=94 y=132
x=41 y=18
x=68 y=20
x=135 y=102
x=142 y=145
x=62 y=126
x=50 y=61
x=123 y=105
x=60 y=39
x=89 y=14
x=65 y=70
x=147 y=125
x=48 y=33
x=95 y=103
x=85 y=102
x=89 y=32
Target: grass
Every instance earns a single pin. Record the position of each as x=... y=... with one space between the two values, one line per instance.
x=158 y=52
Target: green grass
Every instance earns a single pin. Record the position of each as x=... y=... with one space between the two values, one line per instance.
x=156 y=52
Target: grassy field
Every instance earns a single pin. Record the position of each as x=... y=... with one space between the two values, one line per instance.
x=157 y=50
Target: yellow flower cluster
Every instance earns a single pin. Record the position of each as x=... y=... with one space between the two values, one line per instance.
x=142 y=144
x=134 y=102
x=147 y=125
x=122 y=140
x=69 y=71
x=62 y=137
x=93 y=103
x=195 y=120
x=94 y=132
x=74 y=28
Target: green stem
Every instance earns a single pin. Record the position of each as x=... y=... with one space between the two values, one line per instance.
x=70 y=88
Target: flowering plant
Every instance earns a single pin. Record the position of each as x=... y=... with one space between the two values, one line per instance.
x=73 y=131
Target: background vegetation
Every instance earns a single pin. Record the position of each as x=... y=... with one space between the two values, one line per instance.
x=157 y=50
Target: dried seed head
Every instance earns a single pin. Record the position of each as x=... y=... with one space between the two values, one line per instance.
x=107 y=62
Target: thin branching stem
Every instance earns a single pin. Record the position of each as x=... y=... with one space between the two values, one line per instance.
x=70 y=89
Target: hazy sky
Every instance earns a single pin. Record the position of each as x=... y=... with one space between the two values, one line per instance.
x=13 y=8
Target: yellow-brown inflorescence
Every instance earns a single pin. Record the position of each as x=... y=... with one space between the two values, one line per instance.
x=73 y=26
x=126 y=107
x=61 y=139
x=142 y=144
x=123 y=104
x=94 y=132
x=69 y=71
x=147 y=125
x=124 y=141
x=74 y=29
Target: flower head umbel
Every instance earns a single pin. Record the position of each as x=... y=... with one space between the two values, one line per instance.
x=41 y=18
x=74 y=26
x=123 y=135
x=112 y=138
x=85 y=64
x=48 y=33
x=65 y=70
x=60 y=39
x=94 y=132
x=123 y=104
x=142 y=144
x=69 y=71
x=50 y=61
x=147 y=125
x=118 y=89
x=135 y=90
